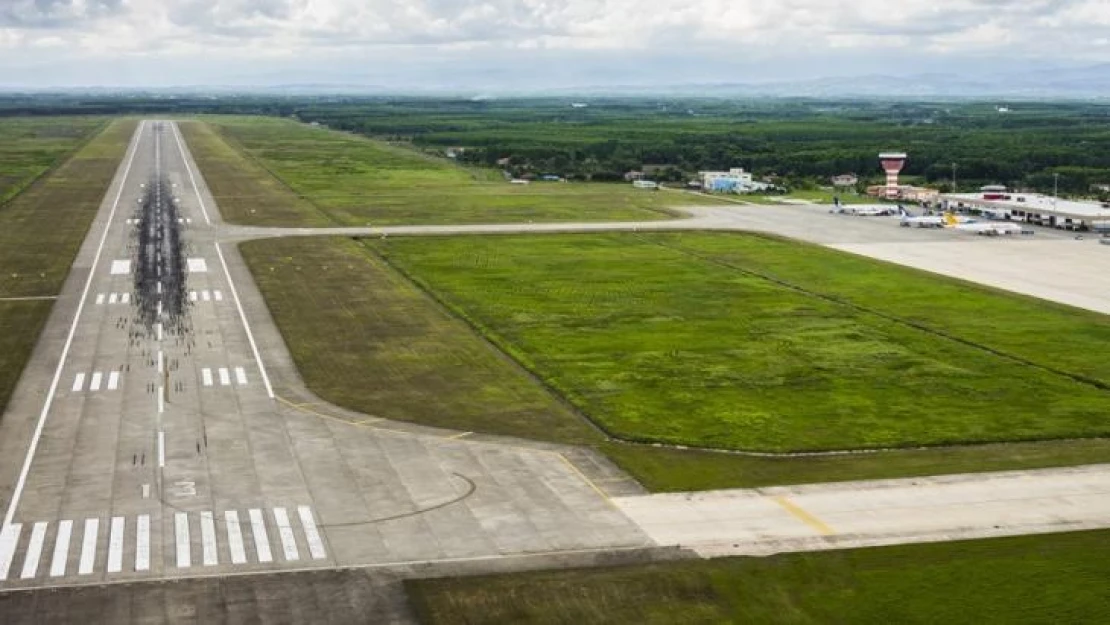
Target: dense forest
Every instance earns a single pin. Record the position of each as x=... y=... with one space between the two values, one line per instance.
x=804 y=142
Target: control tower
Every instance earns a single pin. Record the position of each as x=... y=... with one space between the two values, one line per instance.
x=892 y=165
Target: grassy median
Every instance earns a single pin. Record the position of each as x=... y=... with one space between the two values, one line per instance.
x=42 y=228
x=369 y=340
x=745 y=342
x=274 y=172
x=1059 y=578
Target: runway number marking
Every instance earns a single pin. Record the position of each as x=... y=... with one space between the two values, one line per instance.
x=185 y=489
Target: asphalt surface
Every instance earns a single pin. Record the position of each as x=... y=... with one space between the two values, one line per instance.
x=161 y=459
x=156 y=435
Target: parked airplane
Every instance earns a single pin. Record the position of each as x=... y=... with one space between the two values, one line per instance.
x=860 y=211
x=983 y=229
x=924 y=221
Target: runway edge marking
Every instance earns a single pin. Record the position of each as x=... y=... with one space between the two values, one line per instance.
x=189 y=170
x=246 y=324
x=17 y=493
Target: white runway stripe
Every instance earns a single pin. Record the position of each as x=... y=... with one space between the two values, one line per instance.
x=99 y=299
x=125 y=298
x=218 y=295
x=94 y=383
x=9 y=537
x=206 y=376
x=79 y=382
x=315 y=544
x=235 y=537
x=225 y=378
x=113 y=380
x=142 y=543
x=208 y=538
x=115 y=545
x=285 y=532
x=181 y=531
x=192 y=296
x=261 y=540
x=111 y=298
x=240 y=376
x=88 y=547
x=34 y=551
x=205 y=295
x=61 y=549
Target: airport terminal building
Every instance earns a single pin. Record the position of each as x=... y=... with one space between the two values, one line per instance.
x=997 y=203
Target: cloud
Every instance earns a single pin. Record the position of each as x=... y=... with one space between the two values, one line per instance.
x=206 y=33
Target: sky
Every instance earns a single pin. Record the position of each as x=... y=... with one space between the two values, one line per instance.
x=506 y=44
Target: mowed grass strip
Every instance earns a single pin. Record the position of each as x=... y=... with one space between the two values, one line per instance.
x=244 y=190
x=20 y=326
x=1056 y=578
x=42 y=228
x=30 y=146
x=365 y=338
x=658 y=344
x=358 y=181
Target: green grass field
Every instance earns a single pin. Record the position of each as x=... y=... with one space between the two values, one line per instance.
x=267 y=171
x=30 y=146
x=370 y=341
x=745 y=342
x=41 y=230
x=1050 y=579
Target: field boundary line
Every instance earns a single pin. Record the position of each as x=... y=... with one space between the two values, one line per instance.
x=17 y=493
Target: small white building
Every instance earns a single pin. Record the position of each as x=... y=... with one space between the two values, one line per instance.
x=645 y=184
x=735 y=180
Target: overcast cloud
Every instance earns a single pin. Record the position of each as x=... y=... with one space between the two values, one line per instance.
x=443 y=42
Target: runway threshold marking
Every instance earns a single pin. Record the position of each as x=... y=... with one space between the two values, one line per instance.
x=21 y=482
x=802 y=515
x=61 y=549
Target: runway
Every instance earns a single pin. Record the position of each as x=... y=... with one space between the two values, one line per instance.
x=148 y=440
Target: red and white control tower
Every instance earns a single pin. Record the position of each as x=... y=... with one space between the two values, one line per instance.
x=892 y=165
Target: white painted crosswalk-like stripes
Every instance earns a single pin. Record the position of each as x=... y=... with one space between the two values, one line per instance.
x=97 y=380
x=312 y=536
x=225 y=378
x=115 y=545
x=206 y=376
x=192 y=296
x=261 y=540
x=61 y=549
x=285 y=533
x=112 y=298
x=235 y=537
x=34 y=551
x=206 y=296
x=78 y=382
x=181 y=533
x=240 y=376
x=219 y=296
x=25 y=551
x=208 y=539
x=113 y=380
x=88 y=547
x=9 y=536
x=142 y=543
x=94 y=383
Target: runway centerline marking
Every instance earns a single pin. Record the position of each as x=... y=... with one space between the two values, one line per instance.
x=802 y=515
x=21 y=482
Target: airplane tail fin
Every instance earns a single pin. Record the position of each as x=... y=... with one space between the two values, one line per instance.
x=950 y=220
